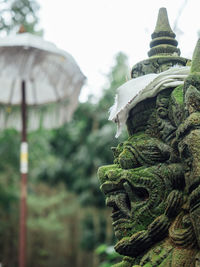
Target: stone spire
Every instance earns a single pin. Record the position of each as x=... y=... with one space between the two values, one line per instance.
x=164 y=53
x=196 y=59
x=163 y=38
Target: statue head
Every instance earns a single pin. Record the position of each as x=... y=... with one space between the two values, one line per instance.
x=153 y=187
x=145 y=185
x=144 y=199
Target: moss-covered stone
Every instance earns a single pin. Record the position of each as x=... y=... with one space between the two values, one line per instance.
x=177 y=93
x=153 y=186
x=196 y=59
x=157 y=64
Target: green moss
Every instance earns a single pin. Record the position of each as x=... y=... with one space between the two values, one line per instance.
x=167 y=261
x=138 y=228
x=192 y=79
x=162 y=24
x=193 y=121
x=147 y=265
x=114 y=173
x=123 y=264
x=155 y=258
x=178 y=94
x=196 y=59
x=127 y=159
x=136 y=136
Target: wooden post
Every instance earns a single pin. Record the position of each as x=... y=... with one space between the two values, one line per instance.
x=24 y=171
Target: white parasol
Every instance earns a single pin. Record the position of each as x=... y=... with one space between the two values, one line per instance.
x=34 y=73
x=51 y=75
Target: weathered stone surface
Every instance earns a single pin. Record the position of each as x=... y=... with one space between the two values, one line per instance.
x=163 y=53
x=153 y=186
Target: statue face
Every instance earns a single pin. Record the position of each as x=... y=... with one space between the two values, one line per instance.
x=137 y=196
x=142 y=191
x=136 y=193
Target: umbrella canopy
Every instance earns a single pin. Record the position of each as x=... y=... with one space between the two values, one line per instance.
x=51 y=75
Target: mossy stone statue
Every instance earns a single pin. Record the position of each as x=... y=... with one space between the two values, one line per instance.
x=153 y=186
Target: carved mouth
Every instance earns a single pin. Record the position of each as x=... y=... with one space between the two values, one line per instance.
x=121 y=197
x=120 y=203
x=121 y=210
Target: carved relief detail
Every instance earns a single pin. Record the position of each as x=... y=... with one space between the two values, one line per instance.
x=153 y=186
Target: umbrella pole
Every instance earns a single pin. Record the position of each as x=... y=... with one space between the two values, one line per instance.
x=24 y=171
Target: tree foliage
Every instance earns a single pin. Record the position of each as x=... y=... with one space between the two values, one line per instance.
x=14 y=13
x=84 y=144
x=66 y=217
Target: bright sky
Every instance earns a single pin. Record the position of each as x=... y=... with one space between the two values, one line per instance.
x=93 y=31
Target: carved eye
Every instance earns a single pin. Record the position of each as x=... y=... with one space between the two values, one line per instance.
x=136 y=194
x=141 y=193
x=127 y=159
x=162 y=112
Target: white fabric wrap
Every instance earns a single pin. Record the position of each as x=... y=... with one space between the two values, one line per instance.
x=138 y=89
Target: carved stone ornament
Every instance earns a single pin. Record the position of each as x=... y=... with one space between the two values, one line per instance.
x=153 y=186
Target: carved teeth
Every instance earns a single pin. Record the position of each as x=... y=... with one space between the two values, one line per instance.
x=121 y=202
x=118 y=196
x=128 y=191
x=110 y=201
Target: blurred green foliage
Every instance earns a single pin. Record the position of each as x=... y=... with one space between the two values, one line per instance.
x=14 y=13
x=83 y=145
x=67 y=218
x=107 y=254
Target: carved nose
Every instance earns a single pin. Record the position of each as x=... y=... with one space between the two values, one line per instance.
x=109 y=173
x=114 y=174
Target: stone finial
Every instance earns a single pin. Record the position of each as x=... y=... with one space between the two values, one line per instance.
x=163 y=38
x=164 y=53
x=196 y=58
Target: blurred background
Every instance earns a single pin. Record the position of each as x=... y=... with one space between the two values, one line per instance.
x=68 y=224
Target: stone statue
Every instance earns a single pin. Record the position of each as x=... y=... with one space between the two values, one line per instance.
x=153 y=186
